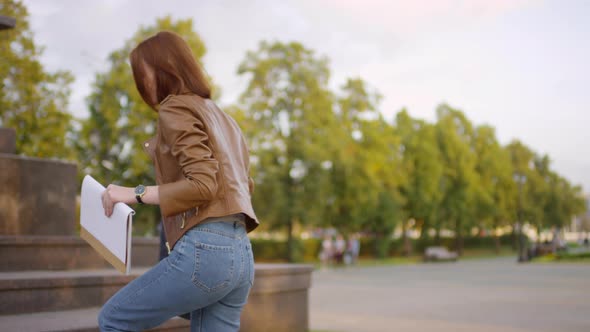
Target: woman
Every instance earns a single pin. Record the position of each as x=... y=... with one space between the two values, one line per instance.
x=203 y=189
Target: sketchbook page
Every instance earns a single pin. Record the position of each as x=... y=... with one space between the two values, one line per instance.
x=111 y=232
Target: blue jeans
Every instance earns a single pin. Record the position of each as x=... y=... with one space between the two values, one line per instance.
x=209 y=274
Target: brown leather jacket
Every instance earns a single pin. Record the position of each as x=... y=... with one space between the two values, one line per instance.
x=202 y=165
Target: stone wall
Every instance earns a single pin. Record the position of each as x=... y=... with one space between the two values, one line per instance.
x=38 y=196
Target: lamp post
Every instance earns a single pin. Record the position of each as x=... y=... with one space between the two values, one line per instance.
x=6 y=22
x=7 y=135
x=520 y=179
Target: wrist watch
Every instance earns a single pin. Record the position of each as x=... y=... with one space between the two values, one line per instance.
x=139 y=192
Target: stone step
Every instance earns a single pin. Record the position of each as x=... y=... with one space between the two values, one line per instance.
x=280 y=290
x=22 y=253
x=37 y=291
x=80 y=320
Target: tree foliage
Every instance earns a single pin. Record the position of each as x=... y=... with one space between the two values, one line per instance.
x=365 y=175
x=288 y=99
x=330 y=159
x=320 y=158
x=33 y=100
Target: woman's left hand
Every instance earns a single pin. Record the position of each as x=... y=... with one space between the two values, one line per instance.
x=115 y=194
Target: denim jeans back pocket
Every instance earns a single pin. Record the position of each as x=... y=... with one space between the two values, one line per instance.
x=214 y=266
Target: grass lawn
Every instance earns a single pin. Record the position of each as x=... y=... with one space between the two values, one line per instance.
x=389 y=261
x=555 y=259
x=468 y=254
x=483 y=253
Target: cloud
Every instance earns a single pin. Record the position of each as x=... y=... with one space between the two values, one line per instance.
x=409 y=17
x=518 y=65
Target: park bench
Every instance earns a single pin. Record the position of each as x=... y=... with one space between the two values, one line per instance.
x=439 y=254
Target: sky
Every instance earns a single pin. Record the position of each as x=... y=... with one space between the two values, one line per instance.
x=521 y=66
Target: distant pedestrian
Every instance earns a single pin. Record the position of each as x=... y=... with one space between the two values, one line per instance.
x=355 y=248
x=339 y=248
x=326 y=253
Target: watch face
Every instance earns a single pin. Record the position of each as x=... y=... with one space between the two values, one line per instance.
x=139 y=190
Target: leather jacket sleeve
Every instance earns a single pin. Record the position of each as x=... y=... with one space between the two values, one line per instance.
x=184 y=133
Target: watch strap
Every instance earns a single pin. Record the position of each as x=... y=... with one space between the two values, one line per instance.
x=138 y=198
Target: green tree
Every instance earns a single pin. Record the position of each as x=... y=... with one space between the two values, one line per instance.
x=528 y=201
x=379 y=153
x=584 y=216
x=33 y=100
x=423 y=170
x=496 y=190
x=364 y=163
x=365 y=176
x=288 y=99
x=563 y=202
x=548 y=200
x=111 y=139
x=556 y=200
x=459 y=181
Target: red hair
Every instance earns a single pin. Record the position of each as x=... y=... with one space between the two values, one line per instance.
x=175 y=68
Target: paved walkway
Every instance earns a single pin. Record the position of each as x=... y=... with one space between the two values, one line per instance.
x=475 y=296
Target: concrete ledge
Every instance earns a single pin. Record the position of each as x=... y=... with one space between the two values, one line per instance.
x=278 y=278
x=7 y=135
x=81 y=320
x=278 y=301
x=38 y=196
x=26 y=253
x=37 y=291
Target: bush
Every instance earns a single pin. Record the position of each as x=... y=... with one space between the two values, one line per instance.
x=372 y=247
x=469 y=242
x=572 y=256
x=268 y=250
x=311 y=249
x=308 y=250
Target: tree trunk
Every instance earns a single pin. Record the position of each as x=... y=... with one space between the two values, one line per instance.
x=408 y=247
x=497 y=244
x=405 y=240
x=290 y=246
x=437 y=235
x=514 y=238
x=424 y=229
x=459 y=237
x=289 y=213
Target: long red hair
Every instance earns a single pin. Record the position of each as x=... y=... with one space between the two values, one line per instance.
x=175 y=68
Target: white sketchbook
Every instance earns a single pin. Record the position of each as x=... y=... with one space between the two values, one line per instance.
x=109 y=236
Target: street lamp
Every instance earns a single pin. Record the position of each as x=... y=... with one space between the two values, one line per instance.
x=7 y=136
x=6 y=22
x=520 y=179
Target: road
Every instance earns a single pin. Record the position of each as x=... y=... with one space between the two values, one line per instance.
x=476 y=296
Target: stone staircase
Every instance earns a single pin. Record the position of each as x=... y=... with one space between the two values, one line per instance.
x=43 y=296
x=51 y=280
x=58 y=283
